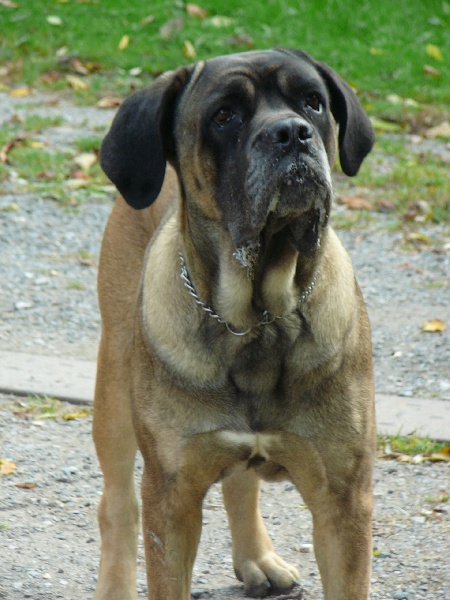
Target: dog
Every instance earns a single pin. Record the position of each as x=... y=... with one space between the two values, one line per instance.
x=235 y=343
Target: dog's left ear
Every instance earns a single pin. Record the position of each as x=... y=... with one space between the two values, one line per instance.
x=356 y=135
x=140 y=141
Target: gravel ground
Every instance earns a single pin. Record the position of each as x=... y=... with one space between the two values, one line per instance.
x=50 y=541
x=48 y=305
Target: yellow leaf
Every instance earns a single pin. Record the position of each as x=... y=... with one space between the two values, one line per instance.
x=376 y=51
x=434 y=52
x=80 y=414
x=6 y=467
x=77 y=83
x=188 y=50
x=124 y=42
x=20 y=92
x=443 y=454
x=35 y=144
x=434 y=326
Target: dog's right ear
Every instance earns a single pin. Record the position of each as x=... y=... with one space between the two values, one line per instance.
x=140 y=140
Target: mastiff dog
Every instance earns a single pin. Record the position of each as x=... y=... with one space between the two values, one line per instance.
x=235 y=342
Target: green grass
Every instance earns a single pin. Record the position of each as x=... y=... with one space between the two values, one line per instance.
x=411 y=445
x=380 y=46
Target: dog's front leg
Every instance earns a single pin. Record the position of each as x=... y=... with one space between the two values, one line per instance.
x=172 y=521
x=339 y=495
x=255 y=562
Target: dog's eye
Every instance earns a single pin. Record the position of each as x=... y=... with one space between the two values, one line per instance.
x=223 y=116
x=314 y=101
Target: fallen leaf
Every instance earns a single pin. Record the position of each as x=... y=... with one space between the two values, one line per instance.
x=385 y=205
x=434 y=326
x=77 y=83
x=193 y=10
x=80 y=414
x=148 y=20
x=79 y=174
x=77 y=184
x=19 y=139
x=135 y=71
x=434 y=52
x=54 y=20
x=356 y=203
x=444 y=455
x=7 y=467
x=125 y=40
x=220 y=21
x=25 y=486
x=431 y=71
x=85 y=160
x=8 y=4
x=241 y=40
x=376 y=51
x=441 y=130
x=51 y=77
x=188 y=50
x=169 y=29
x=109 y=102
x=20 y=92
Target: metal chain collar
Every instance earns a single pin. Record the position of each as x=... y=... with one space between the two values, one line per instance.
x=266 y=318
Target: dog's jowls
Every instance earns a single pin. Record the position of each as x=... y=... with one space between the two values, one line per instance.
x=235 y=342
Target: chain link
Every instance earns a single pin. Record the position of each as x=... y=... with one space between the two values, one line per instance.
x=266 y=318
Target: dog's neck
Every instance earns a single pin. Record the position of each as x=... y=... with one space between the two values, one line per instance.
x=245 y=292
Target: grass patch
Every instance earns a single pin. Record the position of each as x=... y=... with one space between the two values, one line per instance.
x=46 y=407
x=89 y=144
x=405 y=53
x=410 y=445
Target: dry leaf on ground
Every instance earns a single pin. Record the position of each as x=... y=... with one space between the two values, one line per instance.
x=6 y=467
x=356 y=202
x=77 y=83
x=124 y=42
x=85 y=160
x=196 y=11
x=109 y=102
x=434 y=326
x=188 y=50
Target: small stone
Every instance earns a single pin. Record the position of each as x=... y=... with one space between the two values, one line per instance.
x=22 y=305
x=199 y=593
x=403 y=596
x=418 y=519
x=306 y=548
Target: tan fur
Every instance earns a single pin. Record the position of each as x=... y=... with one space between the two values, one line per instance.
x=292 y=399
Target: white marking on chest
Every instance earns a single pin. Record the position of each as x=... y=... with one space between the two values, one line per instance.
x=259 y=444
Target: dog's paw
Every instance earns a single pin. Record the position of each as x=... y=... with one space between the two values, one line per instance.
x=268 y=574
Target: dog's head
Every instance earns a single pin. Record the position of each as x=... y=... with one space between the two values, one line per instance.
x=253 y=135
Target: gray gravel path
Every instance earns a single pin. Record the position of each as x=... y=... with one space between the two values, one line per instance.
x=50 y=544
x=48 y=305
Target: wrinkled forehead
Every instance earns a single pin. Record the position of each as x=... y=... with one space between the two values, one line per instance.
x=251 y=71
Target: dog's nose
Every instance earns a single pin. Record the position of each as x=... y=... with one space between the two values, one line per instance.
x=287 y=132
